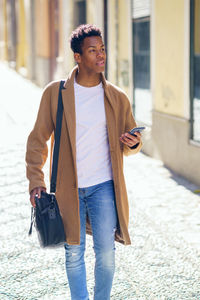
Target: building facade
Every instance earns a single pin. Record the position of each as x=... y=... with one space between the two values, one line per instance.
x=153 y=53
x=175 y=81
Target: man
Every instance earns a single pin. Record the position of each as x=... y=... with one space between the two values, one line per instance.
x=90 y=190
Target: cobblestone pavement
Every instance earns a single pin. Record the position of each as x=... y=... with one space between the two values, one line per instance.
x=161 y=264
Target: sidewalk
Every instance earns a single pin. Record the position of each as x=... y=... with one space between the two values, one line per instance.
x=161 y=264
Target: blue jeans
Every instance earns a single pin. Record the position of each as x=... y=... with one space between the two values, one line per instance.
x=98 y=202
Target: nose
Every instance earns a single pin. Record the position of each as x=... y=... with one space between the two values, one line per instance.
x=100 y=53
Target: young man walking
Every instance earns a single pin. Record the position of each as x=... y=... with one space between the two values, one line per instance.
x=91 y=190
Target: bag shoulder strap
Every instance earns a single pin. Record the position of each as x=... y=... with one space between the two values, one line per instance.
x=59 y=117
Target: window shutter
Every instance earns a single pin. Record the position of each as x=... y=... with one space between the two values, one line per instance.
x=141 y=8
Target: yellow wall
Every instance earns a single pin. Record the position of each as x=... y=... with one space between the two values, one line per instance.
x=68 y=27
x=90 y=11
x=42 y=28
x=4 y=41
x=119 y=44
x=61 y=42
x=124 y=44
x=169 y=56
x=197 y=27
x=21 y=60
x=95 y=13
x=111 y=51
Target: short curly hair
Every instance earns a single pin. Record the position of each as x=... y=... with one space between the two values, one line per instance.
x=80 y=33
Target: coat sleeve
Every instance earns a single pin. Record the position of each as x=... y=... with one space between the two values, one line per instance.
x=37 y=149
x=129 y=124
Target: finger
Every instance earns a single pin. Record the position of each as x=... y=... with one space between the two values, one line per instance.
x=126 y=141
x=132 y=140
x=32 y=199
x=33 y=202
x=39 y=192
x=129 y=136
x=136 y=140
x=32 y=194
x=132 y=137
x=138 y=134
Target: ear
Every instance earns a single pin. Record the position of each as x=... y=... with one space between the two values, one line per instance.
x=77 y=57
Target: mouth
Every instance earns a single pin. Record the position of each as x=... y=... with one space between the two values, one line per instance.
x=101 y=63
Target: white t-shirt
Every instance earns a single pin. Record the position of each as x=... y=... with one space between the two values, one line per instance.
x=92 y=145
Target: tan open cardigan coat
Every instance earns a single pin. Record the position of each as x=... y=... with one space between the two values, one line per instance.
x=119 y=120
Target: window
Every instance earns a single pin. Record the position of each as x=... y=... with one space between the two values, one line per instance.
x=141 y=70
x=79 y=12
x=195 y=69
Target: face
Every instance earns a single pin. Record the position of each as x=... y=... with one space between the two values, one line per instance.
x=93 y=55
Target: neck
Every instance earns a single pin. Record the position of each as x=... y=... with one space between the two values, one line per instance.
x=86 y=79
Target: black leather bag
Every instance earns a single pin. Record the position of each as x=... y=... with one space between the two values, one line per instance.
x=46 y=216
x=48 y=221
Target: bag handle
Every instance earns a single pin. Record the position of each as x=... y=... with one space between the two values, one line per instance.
x=59 y=117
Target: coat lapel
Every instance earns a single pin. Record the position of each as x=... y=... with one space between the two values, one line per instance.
x=69 y=111
x=111 y=123
x=110 y=115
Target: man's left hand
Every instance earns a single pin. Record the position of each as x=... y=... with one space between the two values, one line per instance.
x=130 y=140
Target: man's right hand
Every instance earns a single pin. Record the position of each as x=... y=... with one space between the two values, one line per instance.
x=36 y=191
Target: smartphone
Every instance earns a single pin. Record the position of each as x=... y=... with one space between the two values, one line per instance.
x=136 y=129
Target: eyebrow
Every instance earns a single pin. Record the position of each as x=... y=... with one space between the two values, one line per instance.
x=95 y=46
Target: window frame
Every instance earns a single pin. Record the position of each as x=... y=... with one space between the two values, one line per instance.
x=139 y=20
x=192 y=69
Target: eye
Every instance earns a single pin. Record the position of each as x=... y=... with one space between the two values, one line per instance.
x=92 y=50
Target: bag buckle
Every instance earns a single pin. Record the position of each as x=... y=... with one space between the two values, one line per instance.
x=52 y=209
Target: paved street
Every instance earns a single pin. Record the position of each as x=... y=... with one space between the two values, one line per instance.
x=161 y=264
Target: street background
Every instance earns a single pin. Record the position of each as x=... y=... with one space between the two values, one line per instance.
x=153 y=55
x=161 y=264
